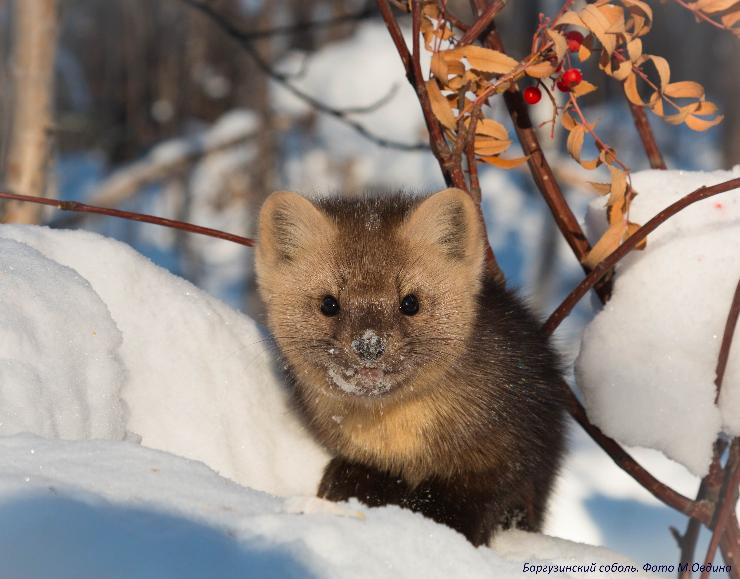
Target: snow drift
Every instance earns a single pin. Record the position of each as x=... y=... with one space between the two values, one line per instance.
x=101 y=343
x=648 y=359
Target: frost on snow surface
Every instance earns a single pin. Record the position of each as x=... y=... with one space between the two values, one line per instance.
x=648 y=359
x=99 y=344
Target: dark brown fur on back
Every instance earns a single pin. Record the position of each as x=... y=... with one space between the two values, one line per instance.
x=455 y=411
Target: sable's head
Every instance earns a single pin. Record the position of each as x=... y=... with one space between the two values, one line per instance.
x=368 y=297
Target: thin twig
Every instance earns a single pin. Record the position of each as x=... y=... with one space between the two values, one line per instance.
x=601 y=145
x=726 y=506
x=483 y=22
x=130 y=215
x=362 y=14
x=729 y=546
x=708 y=491
x=724 y=350
x=341 y=114
x=700 y=510
x=701 y=16
x=542 y=173
x=451 y=165
x=605 y=265
x=397 y=37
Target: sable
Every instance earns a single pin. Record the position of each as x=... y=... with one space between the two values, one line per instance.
x=433 y=385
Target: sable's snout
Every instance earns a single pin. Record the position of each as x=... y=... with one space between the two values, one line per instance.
x=369 y=346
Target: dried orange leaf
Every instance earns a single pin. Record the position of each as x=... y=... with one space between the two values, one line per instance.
x=729 y=20
x=559 y=43
x=664 y=70
x=540 y=70
x=697 y=124
x=440 y=105
x=634 y=49
x=618 y=185
x=598 y=23
x=582 y=88
x=584 y=52
x=611 y=239
x=631 y=228
x=684 y=89
x=600 y=188
x=705 y=108
x=489 y=146
x=491 y=128
x=567 y=121
x=439 y=67
x=504 y=163
x=615 y=17
x=575 y=141
x=485 y=59
x=575 y=144
x=630 y=90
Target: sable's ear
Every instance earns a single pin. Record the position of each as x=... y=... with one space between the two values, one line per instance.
x=287 y=224
x=448 y=219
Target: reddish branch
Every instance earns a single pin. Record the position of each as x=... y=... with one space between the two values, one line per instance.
x=701 y=16
x=542 y=173
x=724 y=350
x=726 y=506
x=604 y=266
x=646 y=136
x=83 y=208
x=450 y=164
x=709 y=490
x=484 y=21
x=700 y=510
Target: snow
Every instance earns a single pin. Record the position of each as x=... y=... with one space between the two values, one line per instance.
x=149 y=514
x=60 y=373
x=199 y=376
x=648 y=359
x=198 y=382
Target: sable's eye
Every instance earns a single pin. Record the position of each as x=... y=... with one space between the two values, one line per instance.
x=329 y=306
x=410 y=305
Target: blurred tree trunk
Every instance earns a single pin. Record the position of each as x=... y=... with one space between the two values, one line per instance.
x=32 y=78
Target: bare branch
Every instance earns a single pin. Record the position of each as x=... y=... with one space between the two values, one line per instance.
x=647 y=136
x=724 y=350
x=700 y=510
x=708 y=491
x=603 y=267
x=246 y=44
x=542 y=173
x=363 y=14
x=483 y=22
x=726 y=506
x=699 y=15
x=131 y=216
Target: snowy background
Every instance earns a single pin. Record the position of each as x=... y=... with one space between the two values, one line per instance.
x=156 y=436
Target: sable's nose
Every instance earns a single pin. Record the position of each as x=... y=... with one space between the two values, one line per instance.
x=369 y=345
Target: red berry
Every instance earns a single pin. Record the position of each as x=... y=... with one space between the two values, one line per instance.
x=571 y=77
x=532 y=95
x=574 y=40
x=562 y=85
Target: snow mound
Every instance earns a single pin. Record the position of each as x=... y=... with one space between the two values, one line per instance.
x=60 y=373
x=199 y=377
x=144 y=513
x=648 y=359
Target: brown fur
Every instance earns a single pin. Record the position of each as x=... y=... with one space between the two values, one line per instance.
x=461 y=417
